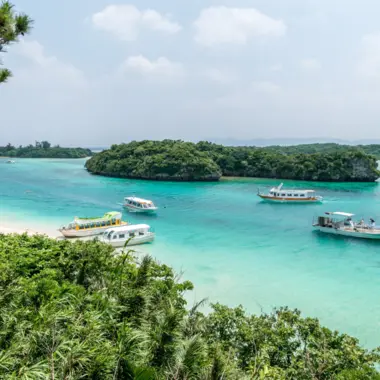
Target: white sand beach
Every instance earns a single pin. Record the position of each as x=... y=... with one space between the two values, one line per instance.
x=13 y=227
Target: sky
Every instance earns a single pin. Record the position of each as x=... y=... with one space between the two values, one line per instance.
x=96 y=72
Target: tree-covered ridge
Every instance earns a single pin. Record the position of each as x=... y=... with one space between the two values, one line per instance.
x=180 y=160
x=373 y=149
x=75 y=311
x=161 y=160
x=12 y=26
x=43 y=149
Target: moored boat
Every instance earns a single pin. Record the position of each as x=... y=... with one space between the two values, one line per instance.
x=134 y=204
x=82 y=227
x=341 y=223
x=128 y=235
x=278 y=194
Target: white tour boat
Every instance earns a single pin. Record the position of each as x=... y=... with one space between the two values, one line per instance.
x=81 y=227
x=278 y=194
x=341 y=223
x=134 y=204
x=130 y=235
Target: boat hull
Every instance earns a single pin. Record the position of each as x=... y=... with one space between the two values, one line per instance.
x=267 y=198
x=140 y=210
x=359 y=233
x=73 y=233
x=137 y=240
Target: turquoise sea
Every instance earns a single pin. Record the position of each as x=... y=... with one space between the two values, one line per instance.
x=235 y=249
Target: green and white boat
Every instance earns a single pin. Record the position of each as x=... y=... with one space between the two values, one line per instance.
x=82 y=227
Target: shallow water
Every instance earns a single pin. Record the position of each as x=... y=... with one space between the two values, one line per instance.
x=235 y=248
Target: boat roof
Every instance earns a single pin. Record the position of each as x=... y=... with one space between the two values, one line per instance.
x=107 y=215
x=139 y=200
x=131 y=227
x=339 y=213
x=292 y=190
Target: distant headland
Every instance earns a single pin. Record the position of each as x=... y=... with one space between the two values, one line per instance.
x=176 y=160
x=43 y=149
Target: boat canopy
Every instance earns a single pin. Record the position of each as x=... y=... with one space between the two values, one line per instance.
x=107 y=216
x=339 y=213
x=277 y=189
x=139 y=200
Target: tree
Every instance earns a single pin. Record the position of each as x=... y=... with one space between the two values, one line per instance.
x=12 y=26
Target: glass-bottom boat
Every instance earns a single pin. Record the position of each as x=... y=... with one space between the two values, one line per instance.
x=128 y=235
x=278 y=194
x=134 y=204
x=82 y=227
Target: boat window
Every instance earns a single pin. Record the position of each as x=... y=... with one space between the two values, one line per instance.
x=296 y=195
x=114 y=236
x=290 y=195
x=132 y=234
x=121 y=236
x=302 y=195
x=283 y=195
x=141 y=233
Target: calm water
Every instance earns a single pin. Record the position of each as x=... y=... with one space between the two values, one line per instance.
x=236 y=249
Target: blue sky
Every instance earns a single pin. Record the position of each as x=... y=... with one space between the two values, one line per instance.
x=99 y=72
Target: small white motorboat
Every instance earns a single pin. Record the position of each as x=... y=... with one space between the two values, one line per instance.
x=128 y=235
x=134 y=204
x=278 y=194
x=341 y=223
x=11 y=162
x=82 y=227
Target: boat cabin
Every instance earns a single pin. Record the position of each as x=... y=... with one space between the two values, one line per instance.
x=297 y=194
x=335 y=219
x=109 y=219
x=128 y=232
x=139 y=203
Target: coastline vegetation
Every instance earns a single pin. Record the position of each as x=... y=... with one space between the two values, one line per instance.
x=205 y=161
x=43 y=149
x=74 y=310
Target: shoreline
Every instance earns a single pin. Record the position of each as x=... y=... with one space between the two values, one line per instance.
x=7 y=228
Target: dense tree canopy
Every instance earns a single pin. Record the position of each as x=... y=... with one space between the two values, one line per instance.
x=373 y=149
x=165 y=160
x=76 y=311
x=180 y=160
x=43 y=149
x=12 y=26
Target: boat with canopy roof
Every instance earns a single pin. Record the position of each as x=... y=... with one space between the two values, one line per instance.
x=342 y=223
x=82 y=227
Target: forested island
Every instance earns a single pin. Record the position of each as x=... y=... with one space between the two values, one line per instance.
x=43 y=149
x=74 y=310
x=205 y=161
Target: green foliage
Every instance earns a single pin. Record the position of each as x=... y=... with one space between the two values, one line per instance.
x=77 y=311
x=12 y=26
x=178 y=160
x=43 y=149
x=161 y=160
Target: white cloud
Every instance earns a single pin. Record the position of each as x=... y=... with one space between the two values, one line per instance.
x=220 y=76
x=369 y=64
x=223 y=25
x=162 y=66
x=126 y=21
x=310 y=64
x=46 y=69
x=266 y=87
x=276 y=67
